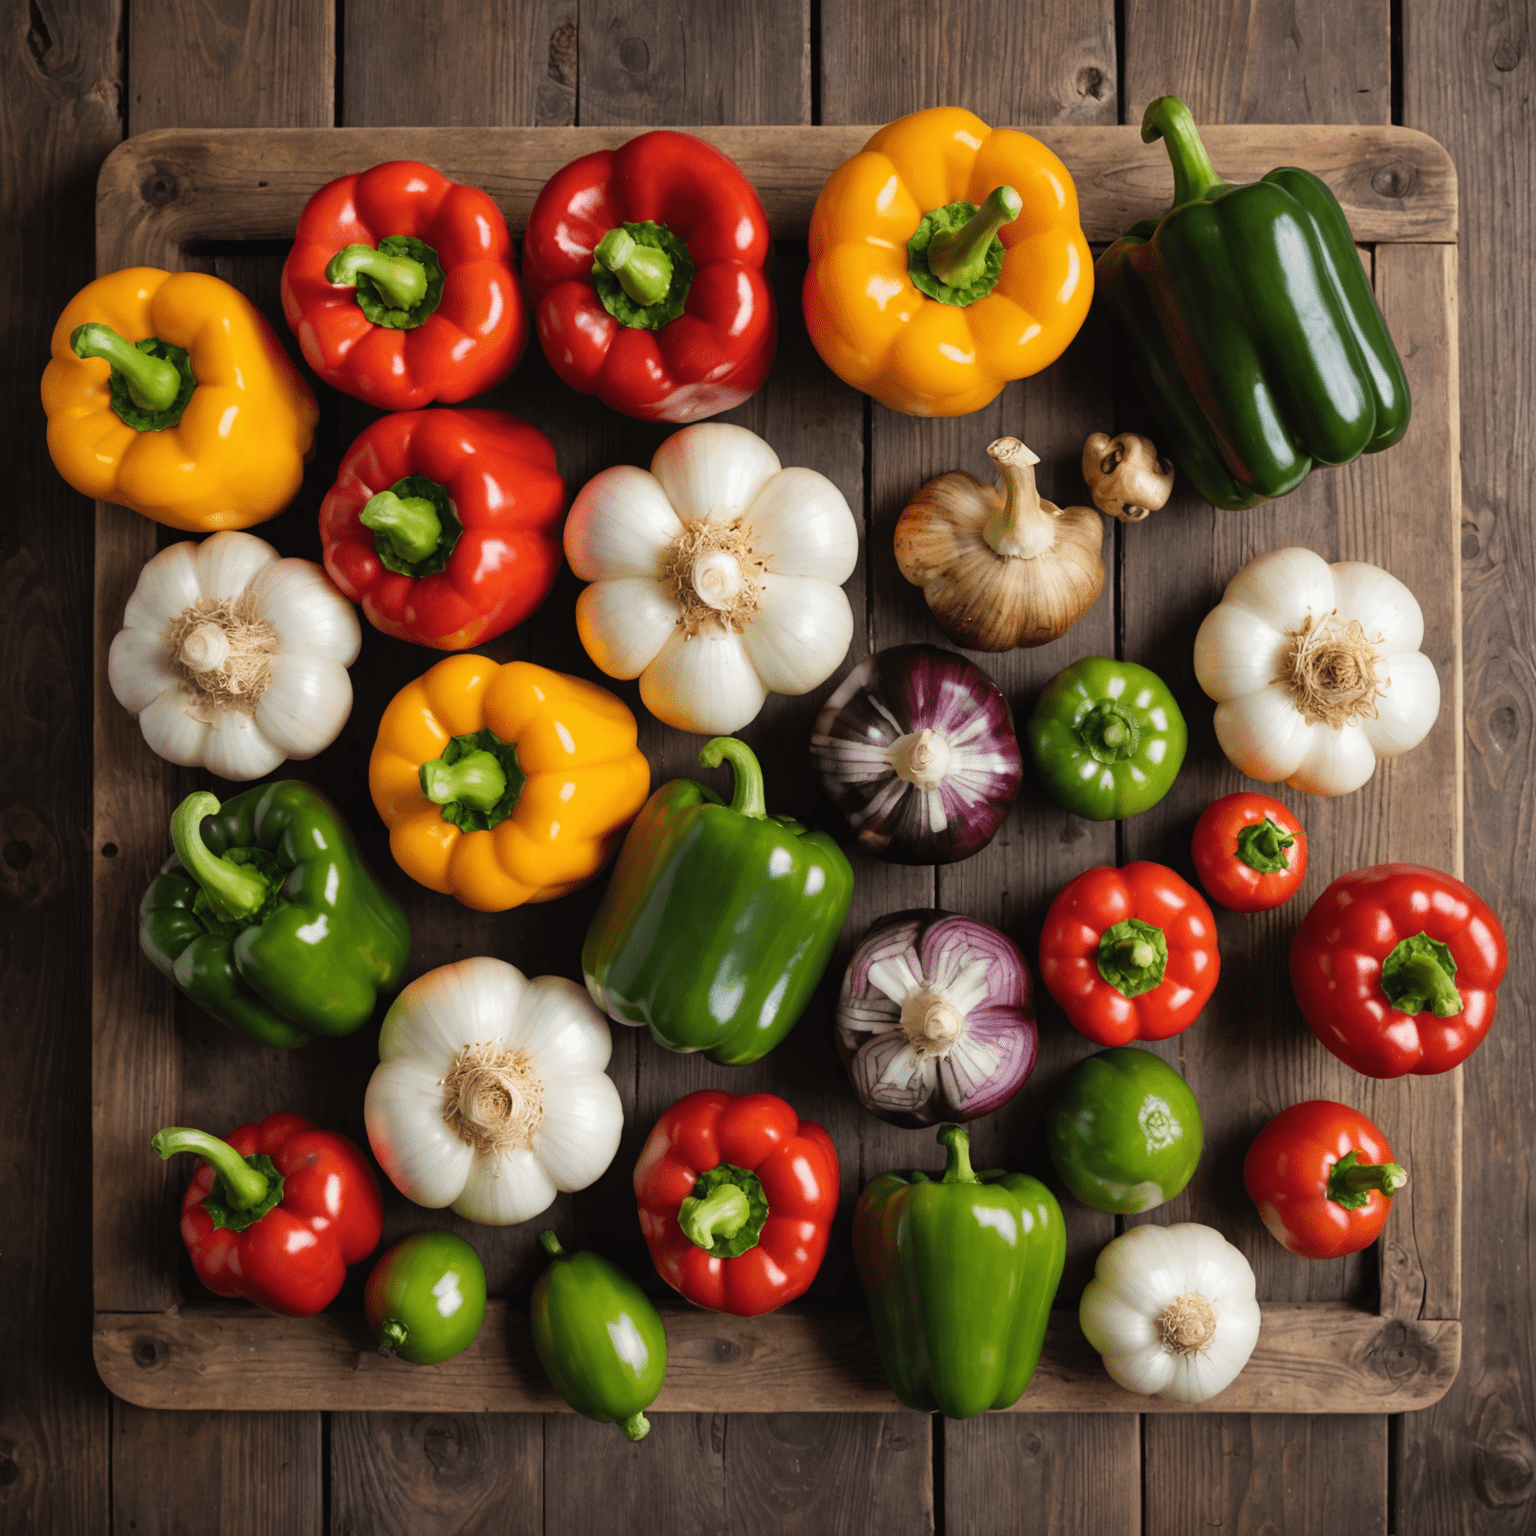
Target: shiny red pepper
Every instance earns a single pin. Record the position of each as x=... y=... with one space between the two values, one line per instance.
x=1250 y=852
x=1397 y=968
x=644 y=268
x=737 y=1196
x=1130 y=953
x=400 y=288
x=1323 y=1178
x=277 y=1211
x=445 y=525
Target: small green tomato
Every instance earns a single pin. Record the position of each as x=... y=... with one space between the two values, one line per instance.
x=425 y=1299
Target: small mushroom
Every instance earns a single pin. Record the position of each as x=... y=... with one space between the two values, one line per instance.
x=1125 y=476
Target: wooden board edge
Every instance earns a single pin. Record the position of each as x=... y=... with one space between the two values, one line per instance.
x=1311 y=1358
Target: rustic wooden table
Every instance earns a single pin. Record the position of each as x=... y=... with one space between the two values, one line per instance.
x=76 y=77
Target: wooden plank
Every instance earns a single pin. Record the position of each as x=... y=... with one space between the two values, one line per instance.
x=1310 y=61
x=1469 y=1465
x=176 y=186
x=60 y=77
x=1312 y=1357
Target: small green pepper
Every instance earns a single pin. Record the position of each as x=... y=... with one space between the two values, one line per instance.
x=598 y=1337
x=425 y=1298
x=1124 y=1132
x=1107 y=738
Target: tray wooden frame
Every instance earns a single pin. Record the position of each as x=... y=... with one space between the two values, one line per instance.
x=161 y=192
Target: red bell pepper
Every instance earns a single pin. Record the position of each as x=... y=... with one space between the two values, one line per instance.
x=736 y=1198
x=1323 y=1178
x=445 y=525
x=1250 y=852
x=1130 y=953
x=400 y=288
x=644 y=268
x=1397 y=968
x=277 y=1211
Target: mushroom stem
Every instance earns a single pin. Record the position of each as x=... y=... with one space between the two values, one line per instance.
x=1023 y=529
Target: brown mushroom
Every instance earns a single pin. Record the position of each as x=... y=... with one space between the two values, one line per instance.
x=1125 y=476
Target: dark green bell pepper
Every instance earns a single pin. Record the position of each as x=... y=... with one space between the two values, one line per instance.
x=719 y=919
x=267 y=917
x=1124 y=1132
x=1107 y=738
x=598 y=1337
x=1248 y=326
x=959 y=1272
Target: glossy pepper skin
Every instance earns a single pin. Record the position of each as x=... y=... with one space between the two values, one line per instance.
x=1249 y=327
x=425 y=1297
x=644 y=268
x=1397 y=968
x=1124 y=1131
x=1129 y=953
x=736 y=1198
x=445 y=525
x=1107 y=738
x=719 y=920
x=1323 y=1178
x=267 y=917
x=180 y=402
x=277 y=1211
x=942 y=336
x=400 y=288
x=959 y=1271
x=1250 y=852
x=505 y=784
x=598 y=1337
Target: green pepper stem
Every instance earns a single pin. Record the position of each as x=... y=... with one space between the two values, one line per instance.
x=644 y=272
x=959 y=257
x=392 y=1336
x=476 y=780
x=1359 y=1178
x=723 y=1212
x=551 y=1245
x=957 y=1166
x=234 y=891
x=401 y=280
x=1194 y=176
x=636 y=1426
x=1133 y=954
x=245 y=1186
x=1423 y=974
x=1261 y=846
x=747 y=796
x=410 y=523
x=153 y=383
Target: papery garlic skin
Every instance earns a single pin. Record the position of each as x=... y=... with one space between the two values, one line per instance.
x=233 y=658
x=1316 y=670
x=716 y=576
x=1172 y=1311
x=491 y=1094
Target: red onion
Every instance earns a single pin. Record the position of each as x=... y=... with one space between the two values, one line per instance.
x=934 y=1022
x=917 y=749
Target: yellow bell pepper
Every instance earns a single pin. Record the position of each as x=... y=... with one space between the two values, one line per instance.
x=946 y=259
x=505 y=784
x=170 y=394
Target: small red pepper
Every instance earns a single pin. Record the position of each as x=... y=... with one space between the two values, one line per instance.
x=737 y=1196
x=1323 y=1178
x=1130 y=953
x=1397 y=968
x=277 y=1211
x=1250 y=852
x=400 y=288
x=644 y=268
x=445 y=525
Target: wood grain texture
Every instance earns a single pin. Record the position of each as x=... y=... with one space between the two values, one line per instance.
x=60 y=82
x=1469 y=1465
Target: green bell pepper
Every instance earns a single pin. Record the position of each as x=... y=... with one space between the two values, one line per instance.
x=1124 y=1132
x=267 y=917
x=719 y=919
x=959 y=1272
x=598 y=1337
x=425 y=1298
x=1249 y=327
x=1107 y=738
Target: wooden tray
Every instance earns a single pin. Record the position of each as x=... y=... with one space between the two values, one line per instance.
x=1375 y=1333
